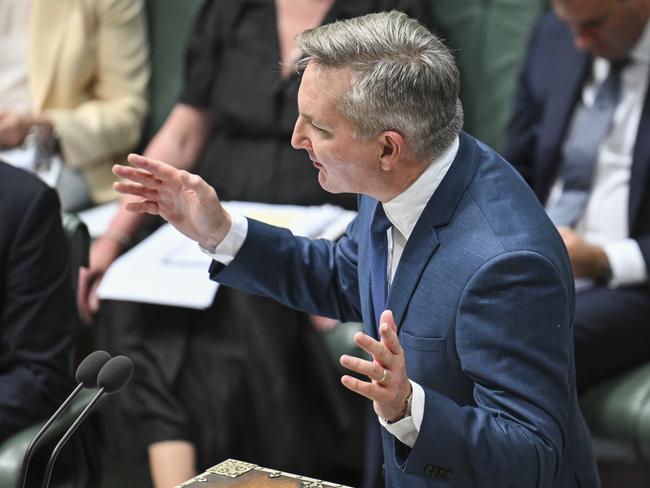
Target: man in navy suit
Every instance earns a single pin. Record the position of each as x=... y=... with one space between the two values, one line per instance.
x=471 y=360
x=37 y=311
x=572 y=53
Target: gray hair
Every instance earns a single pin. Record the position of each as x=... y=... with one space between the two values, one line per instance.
x=404 y=78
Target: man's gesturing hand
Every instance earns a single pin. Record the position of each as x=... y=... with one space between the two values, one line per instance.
x=389 y=386
x=184 y=200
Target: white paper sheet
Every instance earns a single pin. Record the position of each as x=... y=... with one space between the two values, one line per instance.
x=168 y=268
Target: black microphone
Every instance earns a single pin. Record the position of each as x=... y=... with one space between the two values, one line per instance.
x=86 y=376
x=112 y=377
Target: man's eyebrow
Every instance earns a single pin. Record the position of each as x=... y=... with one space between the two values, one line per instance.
x=313 y=122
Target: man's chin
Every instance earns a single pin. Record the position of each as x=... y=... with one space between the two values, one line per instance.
x=322 y=181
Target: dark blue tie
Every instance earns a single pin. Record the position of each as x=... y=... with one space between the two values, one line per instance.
x=589 y=127
x=378 y=261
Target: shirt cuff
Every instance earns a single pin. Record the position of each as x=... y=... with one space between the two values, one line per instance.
x=407 y=429
x=626 y=263
x=228 y=248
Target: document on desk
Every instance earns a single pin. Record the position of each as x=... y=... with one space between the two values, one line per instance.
x=168 y=268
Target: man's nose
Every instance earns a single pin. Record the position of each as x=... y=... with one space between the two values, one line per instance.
x=298 y=138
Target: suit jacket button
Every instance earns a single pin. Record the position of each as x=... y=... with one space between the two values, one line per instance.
x=429 y=470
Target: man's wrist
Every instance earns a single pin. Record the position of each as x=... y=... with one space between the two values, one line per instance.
x=212 y=241
x=603 y=270
x=229 y=246
x=406 y=412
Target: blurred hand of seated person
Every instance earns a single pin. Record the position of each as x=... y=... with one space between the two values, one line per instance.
x=37 y=311
x=75 y=74
x=182 y=135
x=323 y=324
x=15 y=127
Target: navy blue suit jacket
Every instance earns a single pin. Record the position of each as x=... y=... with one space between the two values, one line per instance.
x=550 y=84
x=37 y=310
x=483 y=296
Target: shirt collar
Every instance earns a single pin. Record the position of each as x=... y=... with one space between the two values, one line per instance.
x=641 y=52
x=405 y=209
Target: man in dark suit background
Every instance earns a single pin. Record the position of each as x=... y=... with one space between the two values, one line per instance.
x=37 y=309
x=563 y=138
x=461 y=280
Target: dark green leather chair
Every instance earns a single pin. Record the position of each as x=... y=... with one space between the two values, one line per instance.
x=170 y=22
x=489 y=38
x=618 y=413
x=77 y=466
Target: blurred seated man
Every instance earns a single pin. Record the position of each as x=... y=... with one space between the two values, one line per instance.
x=579 y=135
x=73 y=73
x=37 y=309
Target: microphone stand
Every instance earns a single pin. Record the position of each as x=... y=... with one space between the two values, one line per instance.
x=67 y=435
x=30 y=449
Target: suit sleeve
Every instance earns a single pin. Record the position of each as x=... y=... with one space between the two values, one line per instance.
x=514 y=340
x=315 y=276
x=111 y=122
x=37 y=320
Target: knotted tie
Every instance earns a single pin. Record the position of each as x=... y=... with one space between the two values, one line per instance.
x=378 y=261
x=589 y=128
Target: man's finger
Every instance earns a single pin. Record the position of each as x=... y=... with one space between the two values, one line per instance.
x=372 y=370
x=377 y=350
x=198 y=185
x=135 y=189
x=137 y=175
x=162 y=170
x=390 y=339
x=363 y=388
x=387 y=316
x=145 y=206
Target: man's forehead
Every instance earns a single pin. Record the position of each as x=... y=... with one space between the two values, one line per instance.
x=326 y=79
x=581 y=10
x=320 y=90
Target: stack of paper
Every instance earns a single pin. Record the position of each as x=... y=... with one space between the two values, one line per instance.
x=168 y=268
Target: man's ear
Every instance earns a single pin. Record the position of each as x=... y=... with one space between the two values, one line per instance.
x=391 y=149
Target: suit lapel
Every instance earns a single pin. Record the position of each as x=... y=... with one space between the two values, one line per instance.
x=47 y=27
x=572 y=66
x=640 y=163
x=424 y=242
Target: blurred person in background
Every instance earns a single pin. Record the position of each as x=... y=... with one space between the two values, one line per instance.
x=579 y=135
x=37 y=310
x=73 y=74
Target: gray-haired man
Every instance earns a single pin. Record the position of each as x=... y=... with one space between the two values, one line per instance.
x=461 y=280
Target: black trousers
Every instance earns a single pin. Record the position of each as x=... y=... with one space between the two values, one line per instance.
x=612 y=332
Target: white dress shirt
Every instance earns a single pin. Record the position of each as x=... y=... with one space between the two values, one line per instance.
x=403 y=211
x=605 y=221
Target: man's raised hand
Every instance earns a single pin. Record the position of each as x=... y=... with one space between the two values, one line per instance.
x=184 y=200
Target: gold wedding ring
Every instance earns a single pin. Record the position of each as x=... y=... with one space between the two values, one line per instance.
x=384 y=376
